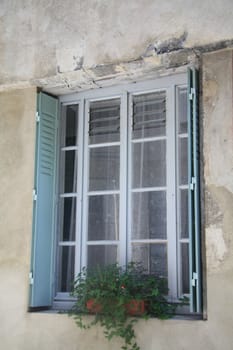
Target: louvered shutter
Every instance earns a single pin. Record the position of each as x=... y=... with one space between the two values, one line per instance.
x=194 y=193
x=43 y=213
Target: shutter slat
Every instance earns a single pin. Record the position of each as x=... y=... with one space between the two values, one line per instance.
x=43 y=215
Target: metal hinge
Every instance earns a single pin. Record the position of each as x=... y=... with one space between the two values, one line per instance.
x=193 y=183
x=192 y=93
x=31 y=280
x=37 y=117
x=34 y=195
x=194 y=279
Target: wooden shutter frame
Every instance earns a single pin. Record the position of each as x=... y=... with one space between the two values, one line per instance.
x=44 y=185
x=194 y=193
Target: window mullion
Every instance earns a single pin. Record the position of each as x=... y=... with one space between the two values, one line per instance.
x=123 y=180
x=171 y=195
x=83 y=253
x=129 y=184
x=80 y=176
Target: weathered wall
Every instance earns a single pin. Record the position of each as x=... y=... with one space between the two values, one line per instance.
x=218 y=155
x=66 y=43
x=72 y=45
x=41 y=331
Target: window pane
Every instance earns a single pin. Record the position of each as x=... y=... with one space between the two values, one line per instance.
x=103 y=217
x=183 y=161
x=149 y=164
x=67 y=218
x=66 y=269
x=184 y=213
x=71 y=125
x=68 y=183
x=149 y=215
x=104 y=123
x=152 y=256
x=104 y=168
x=149 y=115
x=185 y=267
x=102 y=255
x=182 y=110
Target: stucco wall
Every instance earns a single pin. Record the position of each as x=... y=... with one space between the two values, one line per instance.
x=66 y=43
x=41 y=331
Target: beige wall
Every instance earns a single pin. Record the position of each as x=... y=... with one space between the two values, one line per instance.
x=41 y=331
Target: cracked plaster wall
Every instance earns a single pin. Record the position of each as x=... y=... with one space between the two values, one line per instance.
x=218 y=185
x=218 y=159
x=54 y=43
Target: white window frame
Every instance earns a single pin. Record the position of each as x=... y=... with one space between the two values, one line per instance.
x=125 y=92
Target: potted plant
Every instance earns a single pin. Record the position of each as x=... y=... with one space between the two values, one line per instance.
x=115 y=294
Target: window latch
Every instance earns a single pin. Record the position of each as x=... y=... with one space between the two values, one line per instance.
x=31 y=280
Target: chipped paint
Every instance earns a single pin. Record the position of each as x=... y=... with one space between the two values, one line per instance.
x=170 y=45
x=69 y=60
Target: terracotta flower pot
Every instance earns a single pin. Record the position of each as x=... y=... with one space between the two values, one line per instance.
x=135 y=307
x=92 y=306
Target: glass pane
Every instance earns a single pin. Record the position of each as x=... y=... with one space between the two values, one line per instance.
x=152 y=256
x=184 y=214
x=183 y=161
x=182 y=110
x=71 y=125
x=101 y=255
x=70 y=177
x=104 y=168
x=67 y=218
x=104 y=123
x=103 y=217
x=149 y=215
x=185 y=267
x=149 y=115
x=66 y=269
x=149 y=164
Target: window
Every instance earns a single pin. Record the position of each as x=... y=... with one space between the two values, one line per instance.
x=125 y=188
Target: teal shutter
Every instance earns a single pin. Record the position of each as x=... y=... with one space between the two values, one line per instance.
x=44 y=195
x=194 y=193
